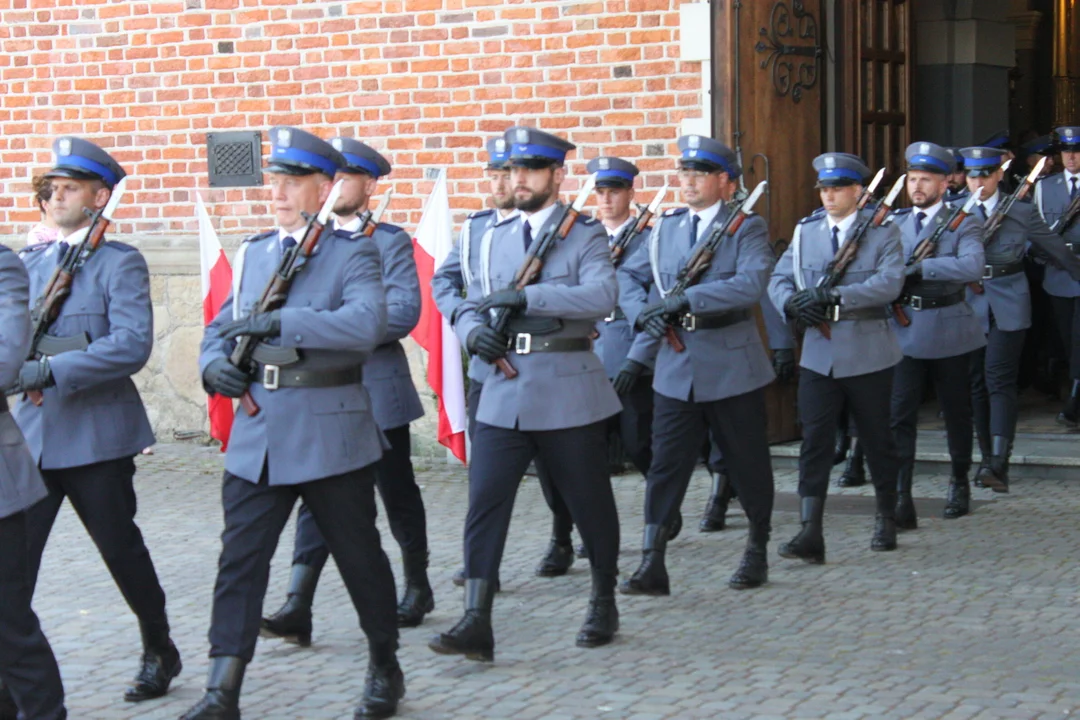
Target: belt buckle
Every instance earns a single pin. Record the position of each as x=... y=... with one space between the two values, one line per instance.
x=689 y=322
x=523 y=343
x=988 y=272
x=610 y=318
x=270 y=376
x=916 y=302
x=834 y=313
x=1071 y=246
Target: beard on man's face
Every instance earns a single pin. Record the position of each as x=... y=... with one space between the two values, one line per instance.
x=533 y=201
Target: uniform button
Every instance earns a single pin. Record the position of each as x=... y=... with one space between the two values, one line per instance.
x=297 y=338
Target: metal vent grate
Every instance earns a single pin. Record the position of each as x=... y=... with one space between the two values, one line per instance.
x=234 y=158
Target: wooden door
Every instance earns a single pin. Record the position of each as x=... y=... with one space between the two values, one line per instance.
x=768 y=95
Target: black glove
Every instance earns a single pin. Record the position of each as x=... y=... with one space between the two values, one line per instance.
x=257 y=325
x=34 y=375
x=823 y=297
x=503 y=298
x=783 y=362
x=487 y=344
x=629 y=373
x=671 y=305
x=224 y=378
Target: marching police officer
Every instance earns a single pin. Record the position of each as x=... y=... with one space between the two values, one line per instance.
x=29 y=678
x=91 y=422
x=558 y=405
x=1054 y=195
x=452 y=278
x=394 y=402
x=942 y=328
x=314 y=435
x=1003 y=304
x=854 y=364
x=718 y=382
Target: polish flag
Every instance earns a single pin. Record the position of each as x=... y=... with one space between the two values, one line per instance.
x=433 y=242
x=216 y=285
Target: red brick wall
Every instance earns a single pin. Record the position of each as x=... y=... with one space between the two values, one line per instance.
x=427 y=81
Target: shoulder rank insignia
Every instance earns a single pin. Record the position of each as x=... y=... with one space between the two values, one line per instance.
x=675 y=211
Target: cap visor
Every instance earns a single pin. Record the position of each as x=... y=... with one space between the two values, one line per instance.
x=290 y=168
x=73 y=173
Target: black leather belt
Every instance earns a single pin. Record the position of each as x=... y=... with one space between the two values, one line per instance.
x=995 y=271
x=3 y=405
x=617 y=314
x=527 y=343
x=922 y=302
x=690 y=322
x=273 y=377
x=871 y=313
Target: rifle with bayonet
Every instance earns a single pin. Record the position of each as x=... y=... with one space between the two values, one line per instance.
x=929 y=245
x=993 y=223
x=698 y=263
x=1068 y=217
x=369 y=219
x=58 y=289
x=276 y=293
x=834 y=272
x=529 y=272
x=634 y=229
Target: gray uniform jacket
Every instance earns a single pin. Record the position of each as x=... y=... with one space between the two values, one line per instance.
x=953 y=330
x=335 y=316
x=872 y=280
x=450 y=281
x=93 y=413
x=20 y=482
x=1009 y=296
x=386 y=374
x=577 y=287
x=615 y=334
x=718 y=363
x=1052 y=200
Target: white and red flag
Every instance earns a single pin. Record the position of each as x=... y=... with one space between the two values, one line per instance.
x=216 y=284
x=434 y=241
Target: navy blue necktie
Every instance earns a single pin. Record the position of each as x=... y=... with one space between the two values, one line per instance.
x=61 y=250
x=694 y=220
x=1075 y=189
x=528 y=235
x=835 y=240
x=919 y=218
x=982 y=212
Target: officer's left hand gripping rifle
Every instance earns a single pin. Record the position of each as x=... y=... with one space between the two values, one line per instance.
x=1072 y=212
x=529 y=272
x=58 y=289
x=699 y=262
x=929 y=245
x=834 y=272
x=369 y=219
x=998 y=216
x=634 y=229
x=276 y=293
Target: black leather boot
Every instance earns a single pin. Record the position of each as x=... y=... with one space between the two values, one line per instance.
x=602 y=619
x=292 y=623
x=753 y=570
x=715 y=517
x=222 y=698
x=651 y=577
x=160 y=664
x=8 y=710
x=996 y=475
x=843 y=444
x=906 y=519
x=472 y=636
x=1070 y=415
x=417 y=600
x=385 y=683
x=459 y=577
x=884 y=537
x=674 y=525
x=809 y=544
x=557 y=560
x=855 y=470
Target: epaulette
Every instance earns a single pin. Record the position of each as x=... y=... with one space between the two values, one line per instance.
x=675 y=211
x=901 y=212
x=481 y=213
x=387 y=227
x=814 y=216
x=587 y=221
x=37 y=247
x=261 y=236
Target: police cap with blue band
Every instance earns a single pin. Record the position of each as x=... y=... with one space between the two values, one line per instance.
x=83 y=160
x=929 y=157
x=612 y=172
x=534 y=148
x=698 y=152
x=839 y=169
x=982 y=161
x=498 y=151
x=958 y=159
x=1041 y=145
x=1067 y=139
x=999 y=140
x=296 y=152
x=361 y=157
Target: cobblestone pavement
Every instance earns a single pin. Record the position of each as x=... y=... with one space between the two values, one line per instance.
x=972 y=618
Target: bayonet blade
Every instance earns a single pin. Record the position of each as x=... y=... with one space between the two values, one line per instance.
x=1005 y=165
x=872 y=187
x=748 y=205
x=896 y=188
x=970 y=204
x=377 y=215
x=1034 y=175
x=583 y=196
x=654 y=206
x=331 y=200
x=114 y=199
